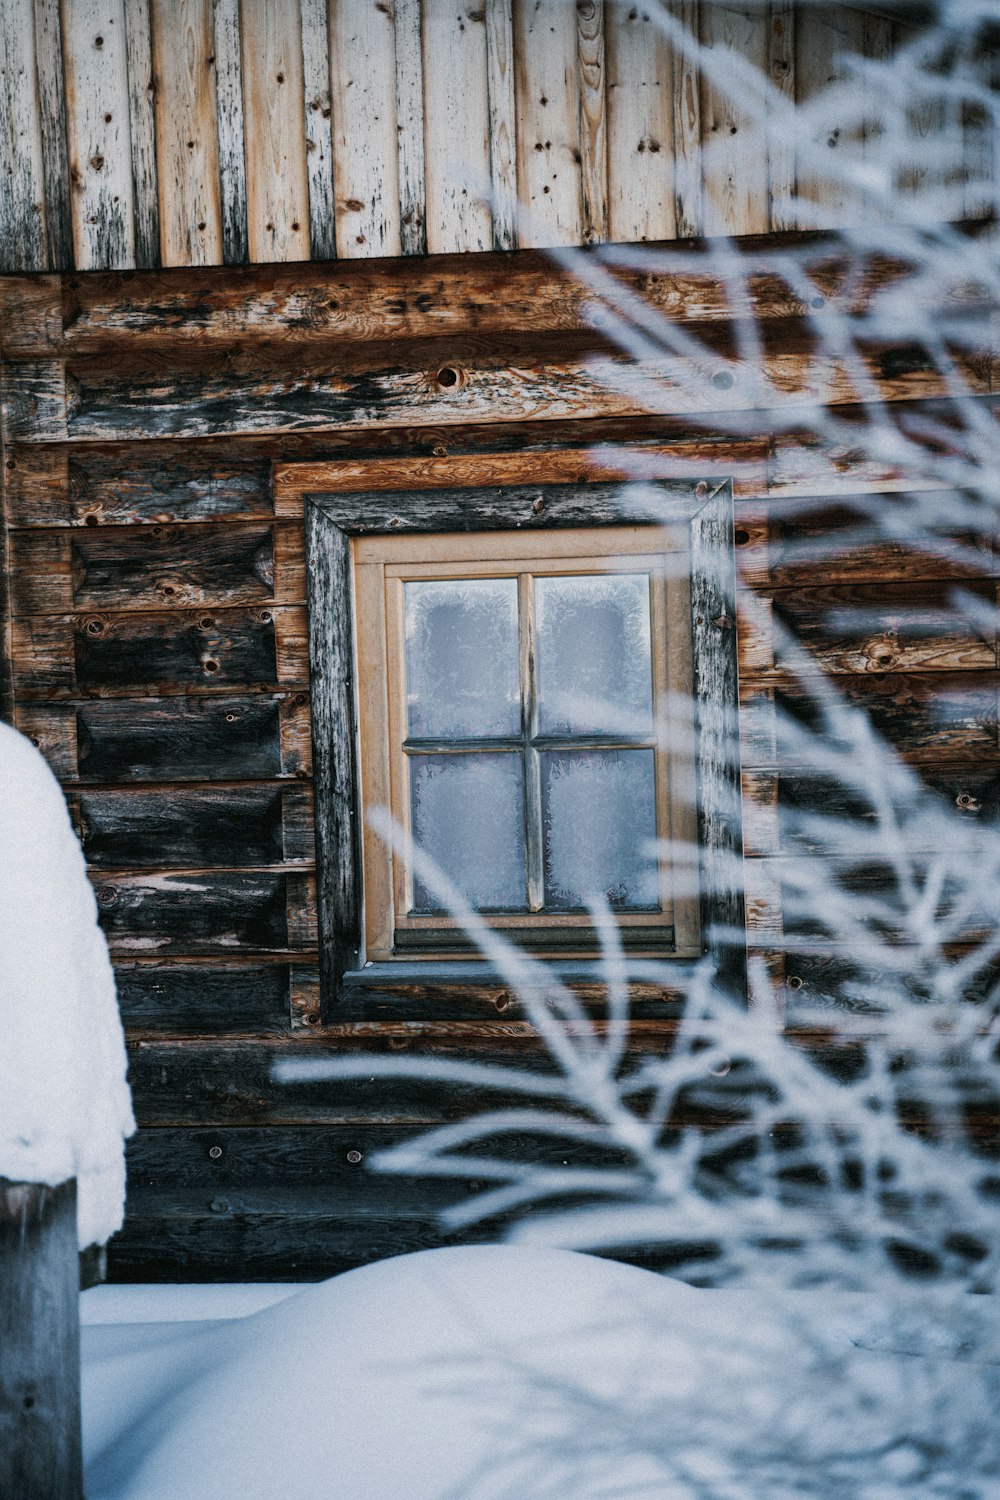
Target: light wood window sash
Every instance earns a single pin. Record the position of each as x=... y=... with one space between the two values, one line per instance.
x=333 y=519
x=380 y=641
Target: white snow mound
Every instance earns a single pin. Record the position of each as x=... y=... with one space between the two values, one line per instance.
x=514 y=1373
x=65 y=1107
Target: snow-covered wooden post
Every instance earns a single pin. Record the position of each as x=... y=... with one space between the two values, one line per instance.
x=64 y=1114
x=39 y=1342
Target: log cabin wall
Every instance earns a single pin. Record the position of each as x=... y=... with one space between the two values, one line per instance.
x=159 y=433
x=161 y=133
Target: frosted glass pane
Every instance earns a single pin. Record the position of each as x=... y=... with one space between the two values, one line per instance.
x=598 y=814
x=468 y=814
x=594 y=661
x=462 y=660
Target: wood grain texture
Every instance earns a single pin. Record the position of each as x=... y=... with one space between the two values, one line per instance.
x=503 y=122
x=23 y=243
x=734 y=158
x=365 y=149
x=456 y=128
x=274 y=113
x=52 y=122
x=40 y=1442
x=101 y=655
x=231 y=128
x=461 y=294
x=195 y=912
x=338 y=831
x=97 y=111
x=548 y=124
x=142 y=86
x=187 y=144
x=410 y=127
x=30 y=315
x=464 y=381
x=833 y=130
x=781 y=75
x=212 y=997
x=592 y=74
x=162 y=567
x=232 y=826
x=110 y=742
x=688 y=210
x=640 y=127
x=318 y=128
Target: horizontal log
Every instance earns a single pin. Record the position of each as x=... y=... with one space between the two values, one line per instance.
x=923 y=716
x=163 y=652
x=393 y=1002
x=230 y=1083
x=229 y=826
x=789 y=811
x=887 y=627
x=210 y=998
x=174 y=1240
x=30 y=315
x=449 y=385
x=173 y=739
x=118 y=568
x=192 y=912
x=790 y=898
x=785 y=544
x=836 y=984
x=487 y=293
x=177 y=487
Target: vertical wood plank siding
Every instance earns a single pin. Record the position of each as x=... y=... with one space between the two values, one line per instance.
x=95 y=58
x=274 y=112
x=427 y=126
x=187 y=141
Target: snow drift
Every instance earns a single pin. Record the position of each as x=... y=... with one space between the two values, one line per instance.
x=66 y=1107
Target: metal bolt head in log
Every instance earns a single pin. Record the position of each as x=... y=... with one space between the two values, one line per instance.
x=40 y=1448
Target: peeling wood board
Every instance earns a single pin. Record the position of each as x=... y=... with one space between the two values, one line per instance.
x=318 y=128
x=52 y=119
x=23 y=241
x=231 y=130
x=410 y=127
x=734 y=152
x=640 y=127
x=825 y=39
x=97 y=110
x=592 y=74
x=503 y=122
x=456 y=128
x=548 y=124
x=274 y=111
x=365 y=149
x=142 y=87
x=253 y=824
x=688 y=208
x=187 y=143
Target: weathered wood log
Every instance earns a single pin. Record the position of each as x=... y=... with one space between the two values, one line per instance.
x=457 y=381
x=207 y=911
x=922 y=715
x=40 y=1442
x=164 y=653
x=778 y=805
x=133 y=828
x=156 y=567
x=191 y=738
x=211 y=997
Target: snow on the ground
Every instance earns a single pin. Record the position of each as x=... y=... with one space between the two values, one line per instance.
x=65 y=1107
x=512 y=1373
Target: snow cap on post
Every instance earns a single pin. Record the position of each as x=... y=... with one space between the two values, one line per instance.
x=65 y=1107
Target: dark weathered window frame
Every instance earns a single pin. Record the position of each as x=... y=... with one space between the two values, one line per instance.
x=333 y=519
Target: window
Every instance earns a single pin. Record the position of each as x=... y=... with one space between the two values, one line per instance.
x=499 y=667
x=522 y=734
